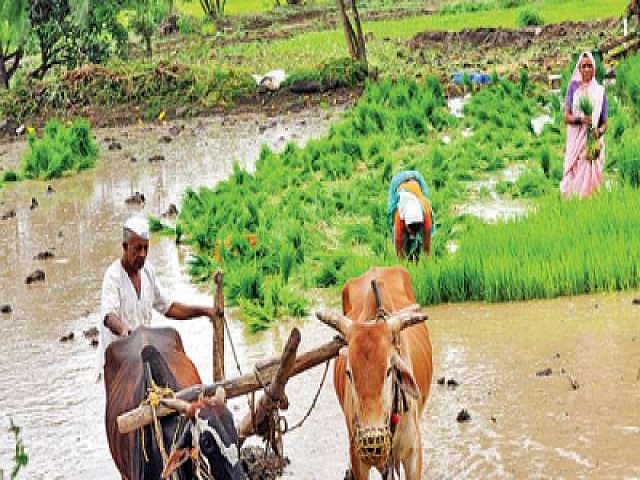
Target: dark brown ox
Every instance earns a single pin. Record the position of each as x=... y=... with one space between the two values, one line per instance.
x=383 y=378
x=207 y=441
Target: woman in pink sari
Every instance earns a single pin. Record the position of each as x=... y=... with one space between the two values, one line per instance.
x=583 y=174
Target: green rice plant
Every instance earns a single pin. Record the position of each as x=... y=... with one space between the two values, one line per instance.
x=545 y=161
x=524 y=80
x=533 y=183
x=287 y=261
x=592 y=147
x=156 y=226
x=555 y=250
x=627 y=157
x=10 y=176
x=628 y=82
x=60 y=150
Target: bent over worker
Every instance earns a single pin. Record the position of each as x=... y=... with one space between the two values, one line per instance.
x=409 y=214
x=130 y=290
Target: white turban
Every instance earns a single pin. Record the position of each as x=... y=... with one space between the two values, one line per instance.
x=139 y=226
x=410 y=208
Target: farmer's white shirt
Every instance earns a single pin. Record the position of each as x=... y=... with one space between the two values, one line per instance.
x=119 y=296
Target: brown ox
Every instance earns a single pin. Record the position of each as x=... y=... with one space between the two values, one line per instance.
x=383 y=379
x=205 y=444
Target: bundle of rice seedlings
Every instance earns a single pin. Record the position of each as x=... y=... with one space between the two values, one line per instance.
x=593 y=149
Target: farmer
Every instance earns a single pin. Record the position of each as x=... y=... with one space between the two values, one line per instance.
x=409 y=214
x=130 y=290
x=584 y=152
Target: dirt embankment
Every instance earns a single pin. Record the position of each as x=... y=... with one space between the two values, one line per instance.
x=267 y=103
x=521 y=38
x=543 y=50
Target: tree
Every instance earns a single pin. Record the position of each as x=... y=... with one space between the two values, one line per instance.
x=95 y=30
x=147 y=16
x=13 y=34
x=50 y=21
x=353 y=31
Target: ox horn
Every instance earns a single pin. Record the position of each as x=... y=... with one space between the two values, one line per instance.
x=335 y=320
x=178 y=405
x=406 y=317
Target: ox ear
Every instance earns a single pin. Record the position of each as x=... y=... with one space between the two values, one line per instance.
x=180 y=453
x=407 y=381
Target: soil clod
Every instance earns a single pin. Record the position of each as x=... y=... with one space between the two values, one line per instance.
x=45 y=255
x=260 y=466
x=463 y=416
x=135 y=199
x=8 y=215
x=68 y=337
x=36 y=276
x=172 y=211
x=442 y=381
x=545 y=372
x=6 y=309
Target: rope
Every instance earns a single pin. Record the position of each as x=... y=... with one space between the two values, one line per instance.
x=154 y=395
x=233 y=348
x=313 y=403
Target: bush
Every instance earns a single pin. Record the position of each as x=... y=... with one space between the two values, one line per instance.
x=528 y=17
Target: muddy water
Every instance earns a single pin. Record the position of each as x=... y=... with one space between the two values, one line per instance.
x=522 y=425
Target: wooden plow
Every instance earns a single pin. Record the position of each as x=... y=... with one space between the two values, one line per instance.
x=269 y=375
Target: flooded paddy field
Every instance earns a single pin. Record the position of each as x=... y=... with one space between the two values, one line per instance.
x=552 y=387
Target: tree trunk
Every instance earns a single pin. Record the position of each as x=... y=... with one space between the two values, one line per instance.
x=4 y=77
x=348 y=29
x=362 y=54
x=354 y=37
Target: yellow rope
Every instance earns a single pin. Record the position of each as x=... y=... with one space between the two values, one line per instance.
x=154 y=395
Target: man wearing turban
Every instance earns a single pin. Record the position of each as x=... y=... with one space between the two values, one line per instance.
x=130 y=290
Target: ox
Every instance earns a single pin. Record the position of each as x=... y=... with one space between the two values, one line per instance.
x=382 y=378
x=207 y=441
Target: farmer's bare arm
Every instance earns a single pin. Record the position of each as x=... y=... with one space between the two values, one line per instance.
x=180 y=311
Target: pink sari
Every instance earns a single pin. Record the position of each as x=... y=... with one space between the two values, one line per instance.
x=581 y=176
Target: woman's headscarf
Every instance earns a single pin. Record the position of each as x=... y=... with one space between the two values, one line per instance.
x=576 y=76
